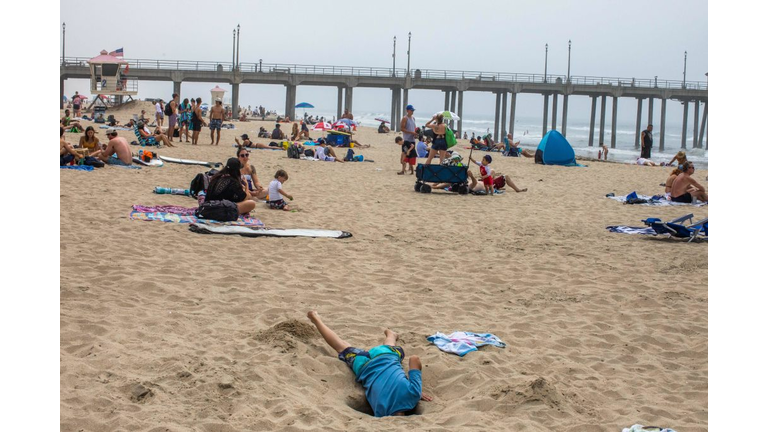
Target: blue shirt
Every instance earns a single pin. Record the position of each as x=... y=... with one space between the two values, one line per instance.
x=387 y=388
x=421 y=149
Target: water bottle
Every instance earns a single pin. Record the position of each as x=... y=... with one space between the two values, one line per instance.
x=179 y=191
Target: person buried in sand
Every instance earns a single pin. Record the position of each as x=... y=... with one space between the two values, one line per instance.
x=276 y=193
x=117 y=145
x=685 y=188
x=388 y=390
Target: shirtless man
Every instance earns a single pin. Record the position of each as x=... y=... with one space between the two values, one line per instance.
x=685 y=188
x=347 y=115
x=67 y=153
x=174 y=103
x=217 y=117
x=117 y=145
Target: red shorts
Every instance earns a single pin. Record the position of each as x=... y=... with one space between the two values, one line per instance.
x=488 y=181
x=411 y=161
x=499 y=182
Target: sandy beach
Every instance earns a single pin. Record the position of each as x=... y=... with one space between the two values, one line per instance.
x=163 y=329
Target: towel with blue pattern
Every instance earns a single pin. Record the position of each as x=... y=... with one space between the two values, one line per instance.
x=461 y=343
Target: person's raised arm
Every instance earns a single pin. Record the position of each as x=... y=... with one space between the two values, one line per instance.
x=282 y=192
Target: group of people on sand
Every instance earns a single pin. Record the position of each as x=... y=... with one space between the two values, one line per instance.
x=115 y=152
x=680 y=185
x=413 y=145
x=187 y=116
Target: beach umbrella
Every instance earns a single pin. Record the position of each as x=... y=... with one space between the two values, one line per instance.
x=341 y=124
x=447 y=115
x=383 y=120
x=323 y=126
x=305 y=105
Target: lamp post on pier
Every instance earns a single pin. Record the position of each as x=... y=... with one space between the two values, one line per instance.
x=685 y=67
x=238 y=47
x=409 y=53
x=394 y=48
x=569 y=61
x=233 y=50
x=546 y=54
x=64 y=40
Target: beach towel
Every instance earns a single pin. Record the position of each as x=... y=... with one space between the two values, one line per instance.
x=267 y=232
x=461 y=343
x=78 y=167
x=647 y=200
x=622 y=229
x=178 y=214
x=641 y=428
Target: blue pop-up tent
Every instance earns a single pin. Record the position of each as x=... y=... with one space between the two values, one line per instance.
x=554 y=149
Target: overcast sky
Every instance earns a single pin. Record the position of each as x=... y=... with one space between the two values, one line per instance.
x=609 y=39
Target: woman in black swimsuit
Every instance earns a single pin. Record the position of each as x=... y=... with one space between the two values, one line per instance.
x=439 y=144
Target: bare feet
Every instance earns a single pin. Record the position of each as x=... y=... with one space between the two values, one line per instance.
x=390 y=334
x=401 y=173
x=522 y=190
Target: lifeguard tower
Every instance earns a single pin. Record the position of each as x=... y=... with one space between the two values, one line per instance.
x=109 y=76
x=217 y=93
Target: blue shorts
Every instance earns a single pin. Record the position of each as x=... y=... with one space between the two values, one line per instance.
x=356 y=358
x=439 y=144
x=215 y=124
x=116 y=161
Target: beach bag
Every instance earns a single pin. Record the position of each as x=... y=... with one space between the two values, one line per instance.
x=309 y=153
x=293 y=152
x=200 y=182
x=168 y=109
x=350 y=155
x=92 y=161
x=219 y=210
x=450 y=139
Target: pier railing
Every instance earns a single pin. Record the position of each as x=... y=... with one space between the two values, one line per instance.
x=208 y=66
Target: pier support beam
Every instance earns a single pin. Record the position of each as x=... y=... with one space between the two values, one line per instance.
x=512 y=107
x=290 y=100
x=554 y=111
x=496 y=119
x=405 y=99
x=546 y=112
x=447 y=100
x=601 y=140
x=177 y=89
x=339 y=103
x=235 y=98
x=503 y=116
x=650 y=111
x=592 y=122
x=639 y=119
x=696 y=143
x=393 y=111
x=615 y=111
x=399 y=109
x=461 y=110
x=663 y=124
x=703 y=125
x=348 y=98
x=685 y=124
x=61 y=93
x=453 y=107
x=565 y=113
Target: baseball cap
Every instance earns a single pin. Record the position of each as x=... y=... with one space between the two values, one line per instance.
x=218 y=99
x=110 y=131
x=410 y=108
x=321 y=140
x=244 y=136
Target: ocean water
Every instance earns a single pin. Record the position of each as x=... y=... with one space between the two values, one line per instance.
x=528 y=131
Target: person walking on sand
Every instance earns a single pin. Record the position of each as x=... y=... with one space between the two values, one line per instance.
x=217 y=117
x=646 y=138
x=159 y=112
x=387 y=388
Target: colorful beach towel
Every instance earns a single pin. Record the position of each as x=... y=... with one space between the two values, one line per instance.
x=647 y=200
x=78 y=167
x=178 y=214
x=461 y=343
x=641 y=428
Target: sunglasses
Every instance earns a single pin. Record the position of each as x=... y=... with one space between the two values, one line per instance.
x=244 y=155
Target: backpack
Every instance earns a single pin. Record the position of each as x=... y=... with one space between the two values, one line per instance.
x=450 y=138
x=350 y=155
x=168 y=109
x=200 y=182
x=219 y=210
x=293 y=152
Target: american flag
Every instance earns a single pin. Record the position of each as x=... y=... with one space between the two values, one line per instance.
x=117 y=53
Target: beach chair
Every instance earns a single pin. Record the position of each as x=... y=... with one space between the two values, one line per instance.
x=149 y=141
x=675 y=228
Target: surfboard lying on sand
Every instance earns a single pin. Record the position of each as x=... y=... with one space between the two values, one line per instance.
x=190 y=162
x=152 y=163
x=267 y=232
